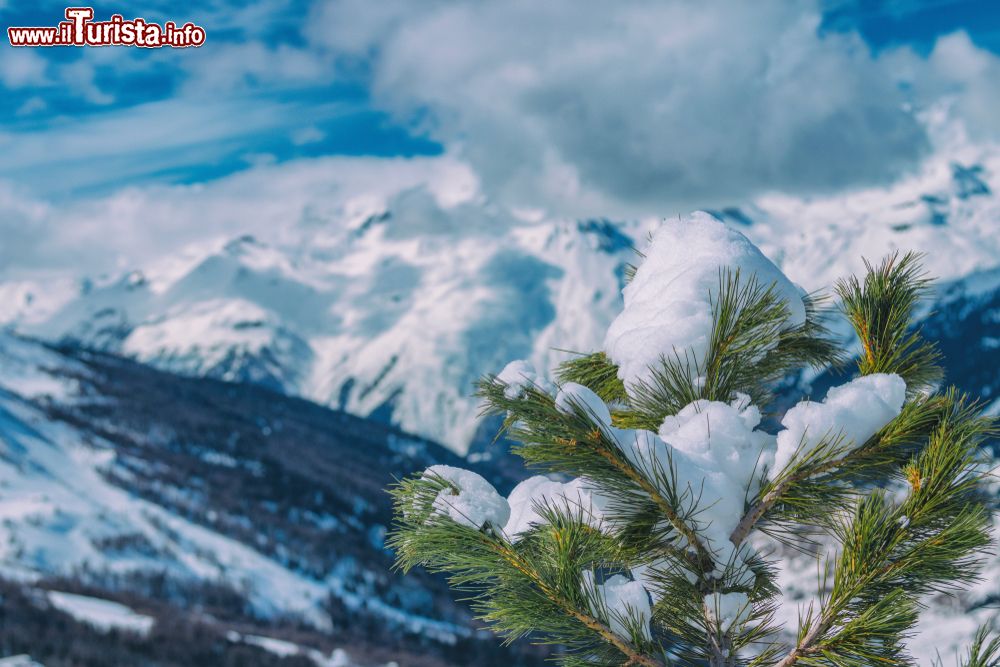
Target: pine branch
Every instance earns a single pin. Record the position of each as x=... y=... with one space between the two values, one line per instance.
x=984 y=651
x=881 y=310
x=832 y=462
x=750 y=349
x=635 y=657
x=705 y=561
x=573 y=444
x=597 y=373
x=519 y=588
x=652 y=525
x=852 y=646
x=931 y=542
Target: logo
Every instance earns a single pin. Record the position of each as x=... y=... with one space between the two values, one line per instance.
x=79 y=29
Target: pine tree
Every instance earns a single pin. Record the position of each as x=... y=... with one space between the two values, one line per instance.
x=651 y=540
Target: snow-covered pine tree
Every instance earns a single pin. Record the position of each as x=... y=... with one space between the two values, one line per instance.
x=652 y=540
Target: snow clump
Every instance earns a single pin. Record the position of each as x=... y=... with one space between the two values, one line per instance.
x=716 y=452
x=518 y=376
x=468 y=499
x=727 y=608
x=572 y=395
x=852 y=413
x=668 y=309
x=625 y=602
x=577 y=497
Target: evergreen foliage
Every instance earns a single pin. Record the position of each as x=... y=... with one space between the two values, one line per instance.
x=893 y=518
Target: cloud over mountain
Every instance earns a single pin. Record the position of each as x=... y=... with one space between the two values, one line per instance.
x=638 y=103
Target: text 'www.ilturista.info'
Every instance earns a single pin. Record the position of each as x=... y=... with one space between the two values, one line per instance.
x=79 y=29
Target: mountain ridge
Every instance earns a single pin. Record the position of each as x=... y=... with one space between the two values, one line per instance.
x=244 y=509
x=393 y=306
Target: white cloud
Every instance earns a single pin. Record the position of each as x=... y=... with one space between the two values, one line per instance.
x=307 y=135
x=137 y=225
x=26 y=226
x=128 y=145
x=32 y=105
x=968 y=77
x=80 y=76
x=236 y=67
x=639 y=104
x=20 y=68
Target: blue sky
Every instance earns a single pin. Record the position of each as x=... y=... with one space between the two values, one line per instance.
x=917 y=22
x=180 y=131
x=82 y=121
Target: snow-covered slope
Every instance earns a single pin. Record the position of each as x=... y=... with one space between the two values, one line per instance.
x=60 y=510
x=394 y=305
x=120 y=478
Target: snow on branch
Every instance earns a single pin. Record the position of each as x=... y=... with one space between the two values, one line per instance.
x=668 y=303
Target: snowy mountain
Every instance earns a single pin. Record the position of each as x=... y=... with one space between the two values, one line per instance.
x=392 y=306
x=180 y=507
x=372 y=320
